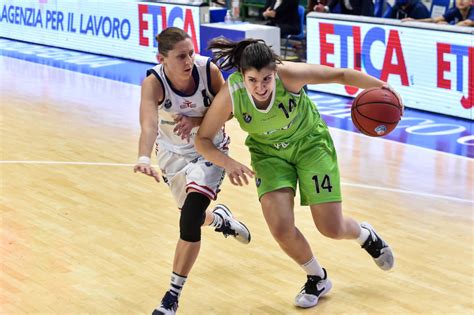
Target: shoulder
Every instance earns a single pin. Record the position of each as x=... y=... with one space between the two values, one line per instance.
x=213 y=68
x=287 y=69
x=152 y=80
x=294 y=71
x=152 y=88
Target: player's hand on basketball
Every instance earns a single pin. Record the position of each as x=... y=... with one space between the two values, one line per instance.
x=147 y=169
x=391 y=89
x=185 y=125
x=238 y=172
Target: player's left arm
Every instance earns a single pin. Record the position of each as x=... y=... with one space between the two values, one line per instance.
x=296 y=75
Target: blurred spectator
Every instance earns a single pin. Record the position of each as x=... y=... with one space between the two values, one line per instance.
x=351 y=7
x=408 y=9
x=462 y=15
x=284 y=14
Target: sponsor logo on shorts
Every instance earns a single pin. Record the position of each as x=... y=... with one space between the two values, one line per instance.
x=247 y=118
x=258 y=181
x=380 y=130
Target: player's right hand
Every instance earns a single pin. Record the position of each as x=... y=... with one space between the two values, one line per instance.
x=238 y=172
x=147 y=169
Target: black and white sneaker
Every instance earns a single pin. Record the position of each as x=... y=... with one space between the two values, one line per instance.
x=169 y=305
x=377 y=248
x=231 y=226
x=314 y=288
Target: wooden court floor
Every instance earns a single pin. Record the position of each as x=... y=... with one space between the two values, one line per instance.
x=82 y=234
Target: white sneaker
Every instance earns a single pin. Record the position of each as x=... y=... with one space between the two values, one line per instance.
x=377 y=248
x=168 y=306
x=312 y=290
x=231 y=226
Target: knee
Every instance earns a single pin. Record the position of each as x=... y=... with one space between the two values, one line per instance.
x=283 y=233
x=192 y=217
x=333 y=230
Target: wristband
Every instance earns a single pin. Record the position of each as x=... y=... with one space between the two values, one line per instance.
x=144 y=160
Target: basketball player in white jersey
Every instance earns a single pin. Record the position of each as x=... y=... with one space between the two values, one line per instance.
x=174 y=98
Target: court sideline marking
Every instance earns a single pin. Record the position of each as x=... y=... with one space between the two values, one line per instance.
x=343 y=183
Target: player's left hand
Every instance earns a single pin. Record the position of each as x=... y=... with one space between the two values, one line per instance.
x=237 y=172
x=185 y=124
x=391 y=89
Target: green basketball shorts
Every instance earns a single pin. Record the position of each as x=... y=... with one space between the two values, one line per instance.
x=310 y=161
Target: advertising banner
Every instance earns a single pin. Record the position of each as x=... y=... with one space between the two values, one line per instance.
x=432 y=69
x=120 y=29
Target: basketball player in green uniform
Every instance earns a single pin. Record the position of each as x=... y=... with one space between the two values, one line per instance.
x=289 y=143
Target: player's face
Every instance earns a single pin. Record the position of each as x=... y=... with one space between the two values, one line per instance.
x=180 y=59
x=260 y=83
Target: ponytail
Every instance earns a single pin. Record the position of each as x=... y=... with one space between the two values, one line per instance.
x=243 y=55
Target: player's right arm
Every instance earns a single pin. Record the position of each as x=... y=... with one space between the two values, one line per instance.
x=151 y=96
x=217 y=114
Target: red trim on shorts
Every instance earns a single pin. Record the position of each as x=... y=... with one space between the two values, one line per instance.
x=202 y=189
x=225 y=140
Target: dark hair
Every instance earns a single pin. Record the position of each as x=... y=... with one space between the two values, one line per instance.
x=243 y=55
x=168 y=38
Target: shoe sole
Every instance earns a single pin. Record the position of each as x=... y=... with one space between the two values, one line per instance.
x=325 y=291
x=229 y=213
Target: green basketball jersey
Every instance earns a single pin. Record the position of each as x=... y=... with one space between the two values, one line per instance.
x=288 y=117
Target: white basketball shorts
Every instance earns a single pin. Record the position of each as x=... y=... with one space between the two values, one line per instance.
x=183 y=172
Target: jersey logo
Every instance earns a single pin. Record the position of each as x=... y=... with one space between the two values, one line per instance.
x=167 y=103
x=258 y=181
x=247 y=118
x=187 y=104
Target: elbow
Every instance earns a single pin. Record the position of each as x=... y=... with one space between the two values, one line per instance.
x=202 y=144
x=198 y=144
x=345 y=76
x=150 y=130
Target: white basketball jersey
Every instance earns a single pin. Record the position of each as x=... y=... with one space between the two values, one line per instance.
x=193 y=105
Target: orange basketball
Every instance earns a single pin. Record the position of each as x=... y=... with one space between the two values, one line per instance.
x=376 y=112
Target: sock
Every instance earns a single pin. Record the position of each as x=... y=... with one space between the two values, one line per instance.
x=363 y=236
x=313 y=268
x=217 y=222
x=176 y=284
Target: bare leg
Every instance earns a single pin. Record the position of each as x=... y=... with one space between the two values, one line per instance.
x=330 y=222
x=278 y=211
x=185 y=256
